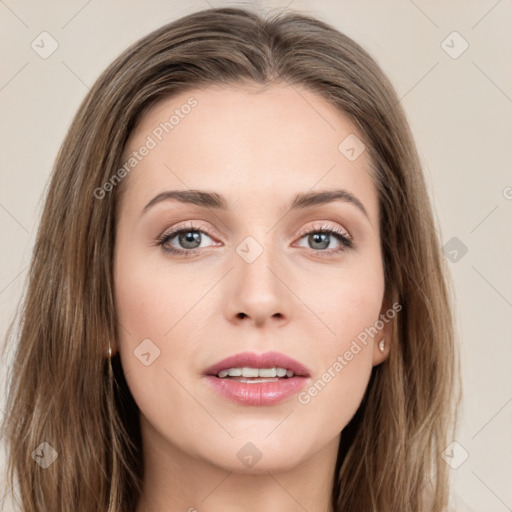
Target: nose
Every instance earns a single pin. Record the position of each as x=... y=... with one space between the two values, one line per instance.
x=257 y=292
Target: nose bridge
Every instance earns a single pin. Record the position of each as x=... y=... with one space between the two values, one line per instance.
x=255 y=287
x=255 y=258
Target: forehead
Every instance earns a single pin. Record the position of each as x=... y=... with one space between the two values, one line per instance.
x=251 y=142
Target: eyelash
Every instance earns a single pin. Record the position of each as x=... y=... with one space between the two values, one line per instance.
x=347 y=242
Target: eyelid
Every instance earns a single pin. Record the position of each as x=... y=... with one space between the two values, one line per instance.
x=192 y=226
x=324 y=225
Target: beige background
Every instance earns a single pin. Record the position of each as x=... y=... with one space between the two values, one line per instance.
x=460 y=110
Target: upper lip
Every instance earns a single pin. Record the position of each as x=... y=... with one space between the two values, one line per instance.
x=254 y=360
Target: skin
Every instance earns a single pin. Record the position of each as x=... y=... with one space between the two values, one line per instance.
x=255 y=146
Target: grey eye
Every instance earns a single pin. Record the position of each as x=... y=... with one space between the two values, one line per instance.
x=321 y=240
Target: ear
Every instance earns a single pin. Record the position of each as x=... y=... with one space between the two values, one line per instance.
x=384 y=336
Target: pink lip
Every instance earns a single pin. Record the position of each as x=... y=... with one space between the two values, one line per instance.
x=262 y=393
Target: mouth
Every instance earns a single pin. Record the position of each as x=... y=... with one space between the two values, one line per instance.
x=251 y=365
x=257 y=379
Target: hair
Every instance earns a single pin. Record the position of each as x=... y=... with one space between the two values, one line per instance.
x=62 y=389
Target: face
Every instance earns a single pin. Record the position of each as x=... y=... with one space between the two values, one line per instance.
x=256 y=275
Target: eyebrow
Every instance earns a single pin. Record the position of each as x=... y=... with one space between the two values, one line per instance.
x=218 y=202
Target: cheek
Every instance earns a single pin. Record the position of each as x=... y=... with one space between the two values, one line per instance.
x=346 y=303
x=149 y=298
x=333 y=397
x=149 y=308
x=142 y=301
x=349 y=308
x=143 y=304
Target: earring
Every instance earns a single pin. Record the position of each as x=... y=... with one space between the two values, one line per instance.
x=110 y=369
x=382 y=345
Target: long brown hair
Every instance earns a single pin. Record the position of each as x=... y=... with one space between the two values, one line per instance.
x=61 y=390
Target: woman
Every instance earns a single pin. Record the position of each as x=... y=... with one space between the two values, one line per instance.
x=237 y=298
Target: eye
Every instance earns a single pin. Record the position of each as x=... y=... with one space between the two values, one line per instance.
x=320 y=237
x=190 y=238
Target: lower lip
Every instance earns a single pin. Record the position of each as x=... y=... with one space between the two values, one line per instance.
x=258 y=393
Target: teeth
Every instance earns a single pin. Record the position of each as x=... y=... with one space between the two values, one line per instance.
x=250 y=372
x=255 y=372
